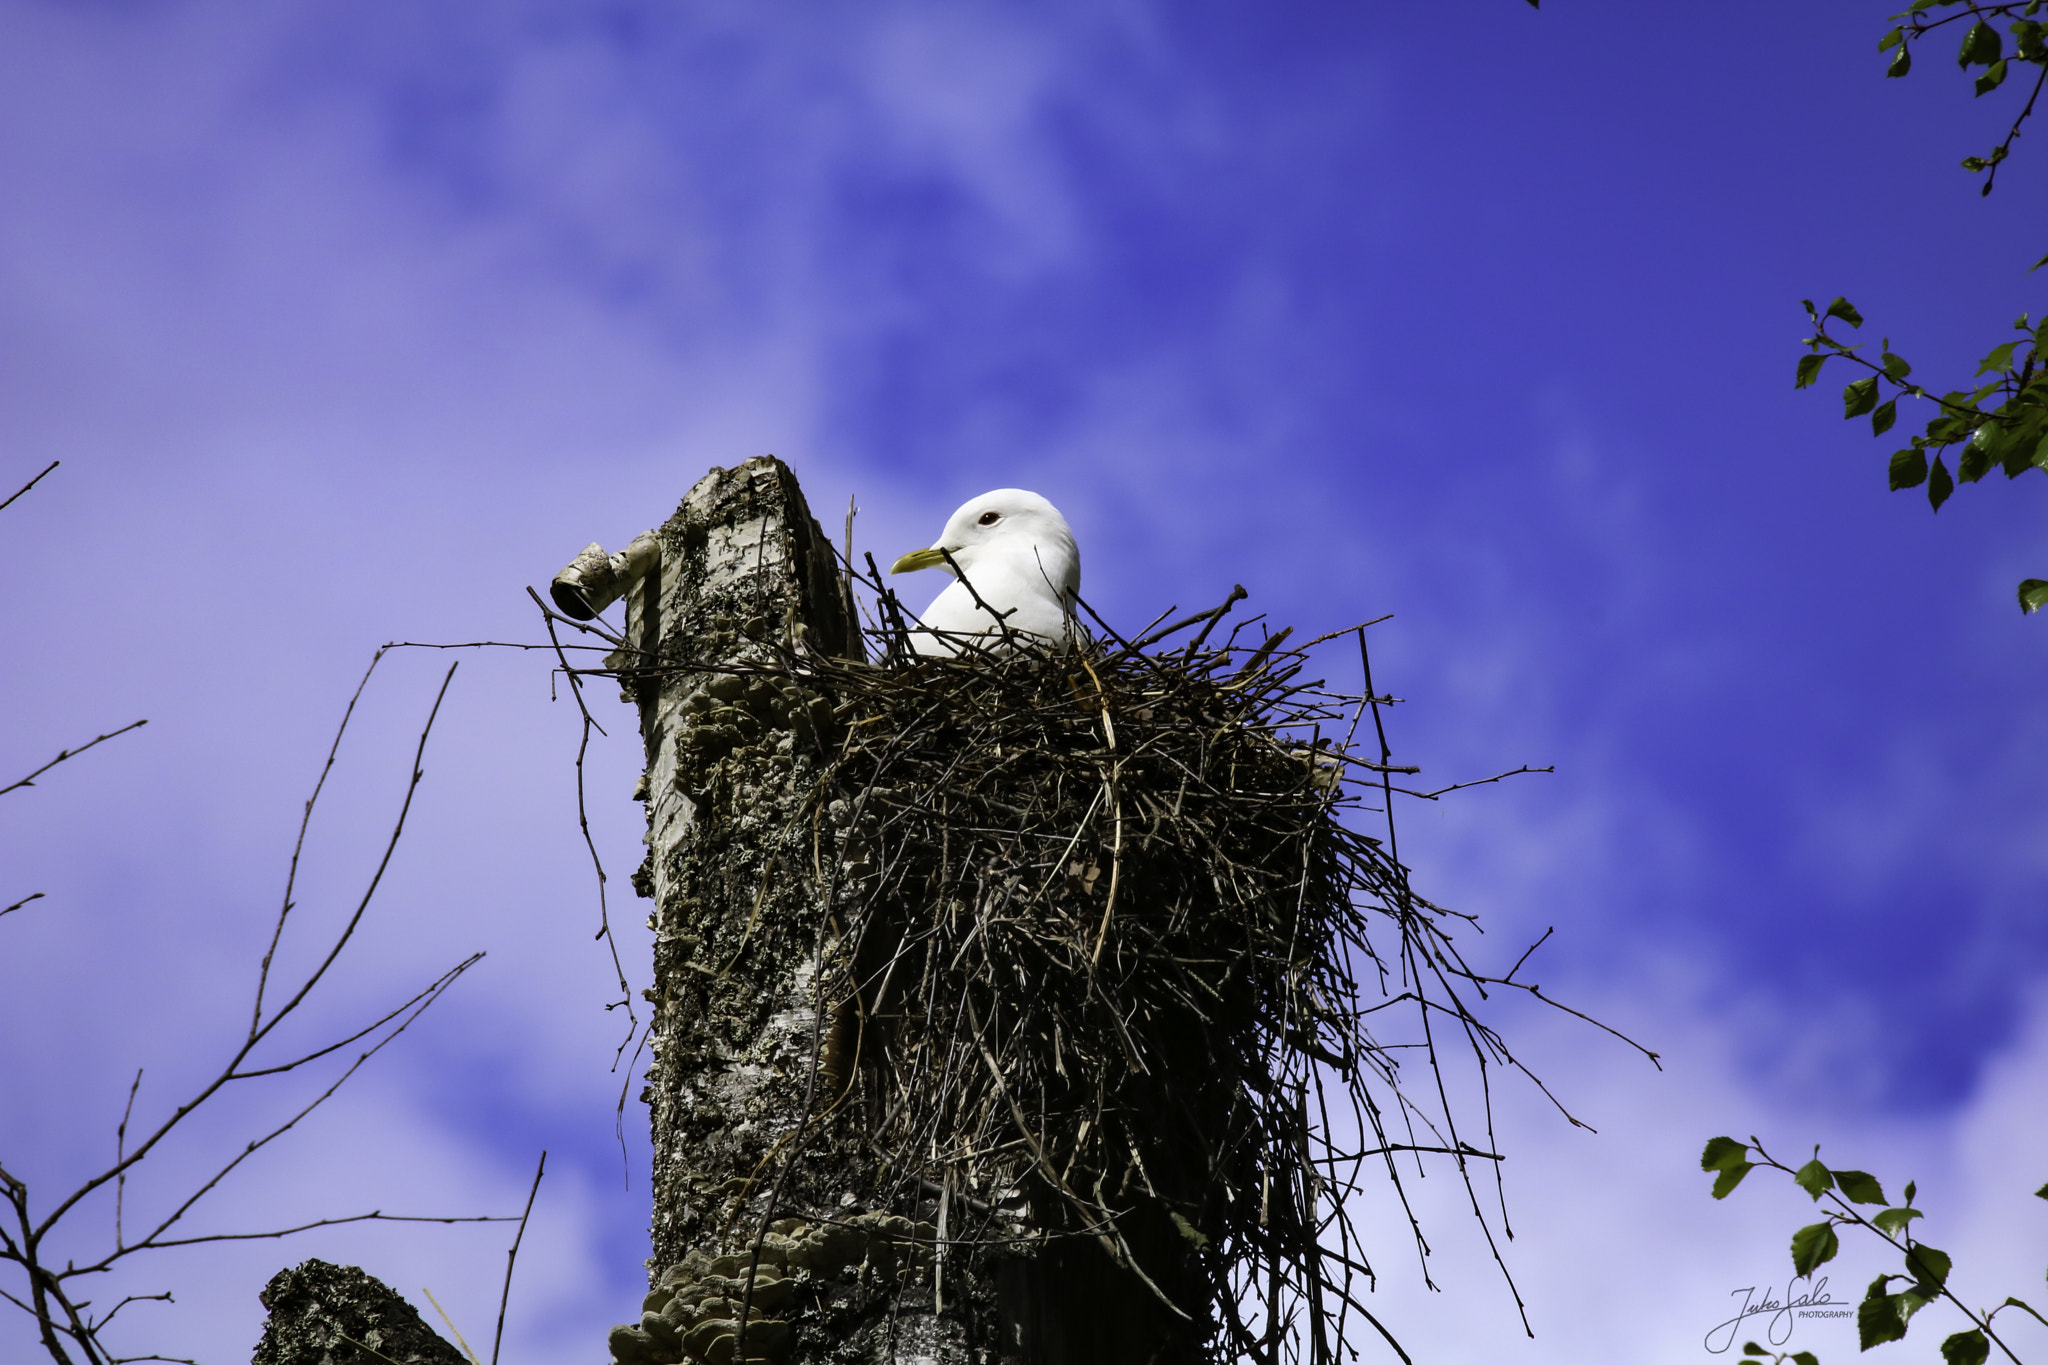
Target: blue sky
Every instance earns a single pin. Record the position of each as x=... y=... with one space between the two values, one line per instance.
x=348 y=322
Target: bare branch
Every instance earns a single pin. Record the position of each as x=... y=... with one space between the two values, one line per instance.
x=30 y=484
x=1477 y=782
x=258 y=1031
x=512 y=1256
x=32 y=896
x=425 y=1000
x=67 y=754
x=374 y=1216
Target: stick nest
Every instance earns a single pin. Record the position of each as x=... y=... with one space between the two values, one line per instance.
x=1115 y=960
x=1106 y=952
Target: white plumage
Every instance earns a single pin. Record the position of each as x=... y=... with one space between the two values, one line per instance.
x=1018 y=553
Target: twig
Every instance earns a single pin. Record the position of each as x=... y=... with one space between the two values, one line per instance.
x=31 y=896
x=61 y=1319
x=454 y=1331
x=65 y=754
x=373 y=1351
x=30 y=484
x=604 y=919
x=512 y=1256
x=1477 y=782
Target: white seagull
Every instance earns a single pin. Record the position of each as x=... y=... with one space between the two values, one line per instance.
x=1018 y=553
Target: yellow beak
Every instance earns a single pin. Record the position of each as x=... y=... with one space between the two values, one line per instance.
x=918 y=559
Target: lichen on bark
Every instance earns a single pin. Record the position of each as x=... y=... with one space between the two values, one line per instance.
x=323 y=1314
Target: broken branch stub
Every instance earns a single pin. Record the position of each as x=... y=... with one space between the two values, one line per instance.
x=594 y=580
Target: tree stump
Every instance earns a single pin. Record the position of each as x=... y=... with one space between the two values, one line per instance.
x=765 y=1199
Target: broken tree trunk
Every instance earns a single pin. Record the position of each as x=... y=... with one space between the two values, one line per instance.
x=768 y=1208
x=322 y=1314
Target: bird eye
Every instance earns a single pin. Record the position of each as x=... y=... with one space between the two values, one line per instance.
x=991 y=518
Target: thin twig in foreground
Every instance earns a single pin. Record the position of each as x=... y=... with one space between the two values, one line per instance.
x=30 y=484
x=30 y=780
x=32 y=896
x=453 y=1330
x=512 y=1256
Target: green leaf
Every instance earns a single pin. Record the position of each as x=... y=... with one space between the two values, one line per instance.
x=2018 y=445
x=2000 y=359
x=1813 y=1247
x=1731 y=1159
x=1991 y=79
x=1981 y=46
x=1939 y=486
x=1814 y=1179
x=1975 y=460
x=1809 y=370
x=1878 y=1321
x=1891 y=1220
x=1974 y=163
x=2033 y=596
x=1909 y=468
x=1729 y=1178
x=1891 y=39
x=1860 y=1187
x=1750 y=1348
x=1805 y=1358
x=1846 y=311
x=1860 y=396
x=1911 y=1190
x=1721 y=1153
x=2037 y=265
x=1896 y=366
x=1950 y=427
x=1966 y=1348
x=1929 y=1267
x=1882 y=419
x=2041 y=1193
x=1901 y=62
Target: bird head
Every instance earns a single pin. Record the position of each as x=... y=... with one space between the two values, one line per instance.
x=1008 y=521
